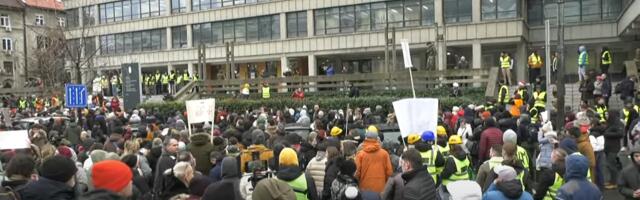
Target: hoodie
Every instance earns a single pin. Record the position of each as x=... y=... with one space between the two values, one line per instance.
x=450 y=167
x=373 y=166
x=229 y=186
x=576 y=185
x=629 y=179
x=273 y=189
x=506 y=190
x=201 y=147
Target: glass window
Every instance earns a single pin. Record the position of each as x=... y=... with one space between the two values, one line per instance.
x=535 y=12
x=156 y=40
x=379 y=18
x=109 y=12
x=137 y=41
x=412 y=13
x=126 y=10
x=154 y=7
x=265 y=28
x=227 y=2
x=144 y=8
x=205 y=31
x=119 y=43
x=241 y=30
x=507 y=9
x=457 y=11
x=428 y=15
x=111 y=43
x=571 y=11
x=611 y=8
x=179 y=37
x=489 y=10
x=135 y=9
x=252 y=29
x=395 y=13
x=332 y=20
x=228 y=30
x=103 y=13
x=127 y=42
x=72 y=17
x=363 y=18
x=275 y=27
x=195 y=5
x=238 y=2
x=146 y=40
x=216 y=28
x=178 y=6
x=591 y=10
x=117 y=11
x=89 y=46
x=347 y=19
x=319 y=22
x=297 y=24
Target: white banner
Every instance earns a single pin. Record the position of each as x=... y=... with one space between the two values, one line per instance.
x=202 y=110
x=406 y=53
x=416 y=115
x=14 y=140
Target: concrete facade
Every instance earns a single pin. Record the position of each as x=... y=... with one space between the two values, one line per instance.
x=479 y=40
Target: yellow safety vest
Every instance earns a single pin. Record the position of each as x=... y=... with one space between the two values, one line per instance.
x=158 y=77
x=534 y=117
x=462 y=171
x=505 y=62
x=602 y=112
x=265 y=93
x=626 y=113
x=553 y=190
x=444 y=150
x=429 y=160
x=172 y=76
x=299 y=186
x=104 y=82
x=179 y=80
x=185 y=77
x=195 y=77
x=22 y=104
x=504 y=90
x=537 y=62
x=606 y=61
x=523 y=156
x=165 y=80
x=539 y=99
x=583 y=56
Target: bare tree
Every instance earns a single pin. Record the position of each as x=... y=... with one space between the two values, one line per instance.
x=47 y=59
x=80 y=51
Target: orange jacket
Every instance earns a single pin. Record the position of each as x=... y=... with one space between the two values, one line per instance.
x=373 y=166
x=515 y=109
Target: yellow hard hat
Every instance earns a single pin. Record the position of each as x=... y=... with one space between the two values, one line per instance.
x=455 y=139
x=372 y=129
x=335 y=131
x=441 y=131
x=413 y=138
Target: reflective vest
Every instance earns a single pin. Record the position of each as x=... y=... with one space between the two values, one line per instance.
x=299 y=186
x=157 y=77
x=534 y=115
x=165 y=80
x=504 y=90
x=104 y=82
x=195 y=77
x=539 y=99
x=606 y=58
x=583 y=59
x=626 y=113
x=494 y=162
x=179 y=79
x=185 y=77
x=114 y=81
x=602 y=112
x=462 y=171
x=444 y=150
x=553 y=190
x=535 y=61
x=172 y=76
x=429 y=160
x=523 y=156
x=22 y=104
x=265 y=93
x=522 y=92
x=505 y=62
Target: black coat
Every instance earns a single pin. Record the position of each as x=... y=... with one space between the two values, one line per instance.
x=627 y=88
x=629 y=179
x=165 y=162
x=612 y=136
x=45 y=189
x=418 y=185
x=330 y=174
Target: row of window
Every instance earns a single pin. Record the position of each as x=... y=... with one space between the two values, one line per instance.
x=7 y=44
x=130 y=9
x=197 y=5
x=575 y=11
x=374 y=16
x=148 y=40
x=240 y=30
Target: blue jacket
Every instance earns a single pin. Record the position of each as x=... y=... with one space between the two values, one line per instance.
x=216 y=173
x=508 y=190
x=576 y=185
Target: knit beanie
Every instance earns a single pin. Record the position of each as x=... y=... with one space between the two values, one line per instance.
x=288 y=157
x=112 y=175
x=65 y=151
x=510 y=136
x=58 y=168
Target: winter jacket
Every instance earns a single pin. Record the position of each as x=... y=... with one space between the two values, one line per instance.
x=46 y=189
x=340 y=185
x=546 y=148
x=200 y=147
x=587 y=88
x=166 y=161
x=316 y=169
x=484 y=172
x=331 y=172
x=629 y=179
x=101 y=194
x=576 y=186
x=627 y=87
x=288 y=174
x=72 y=133
x=450 y=165
x=606 y=87
x=216 y=172
x=418 y=184
x=597 y=88
x=394 y=188
x=546 y=178
x=273 y=189
x=612 y=135
x=506 y=190
x=373 y=166
x=489 y=137
x=585 y=148
x=229 y=186
x=307 y=153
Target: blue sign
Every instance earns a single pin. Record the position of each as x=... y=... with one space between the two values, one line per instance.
x=75 y=96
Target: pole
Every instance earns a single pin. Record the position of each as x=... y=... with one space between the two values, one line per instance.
x=413 y=88
x=346 y=120
x=386 y=48
x=561 y=65
x=393 y=42
x=547 y=53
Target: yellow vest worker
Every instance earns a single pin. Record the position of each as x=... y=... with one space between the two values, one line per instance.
x=505 y=62
x=535 y=61
x=265 y=92
x=606 y=58
x=540 y=99
x=503 y=95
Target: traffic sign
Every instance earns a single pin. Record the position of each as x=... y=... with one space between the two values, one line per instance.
x=75 y=96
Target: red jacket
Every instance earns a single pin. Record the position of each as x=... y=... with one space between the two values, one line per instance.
x=298 y=95
x=488 y=138
x=115 y=104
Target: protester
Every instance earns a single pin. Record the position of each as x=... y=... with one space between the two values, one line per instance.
x=56 y=181
x=201 y=149
x=373 y=164
x=506 y=186
x=628 y=181
x=489 y=137
x=317 y=167
x=229 y=186
x=113 y=176
x=290 y=172
x=576 y=185
x=345 y=186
